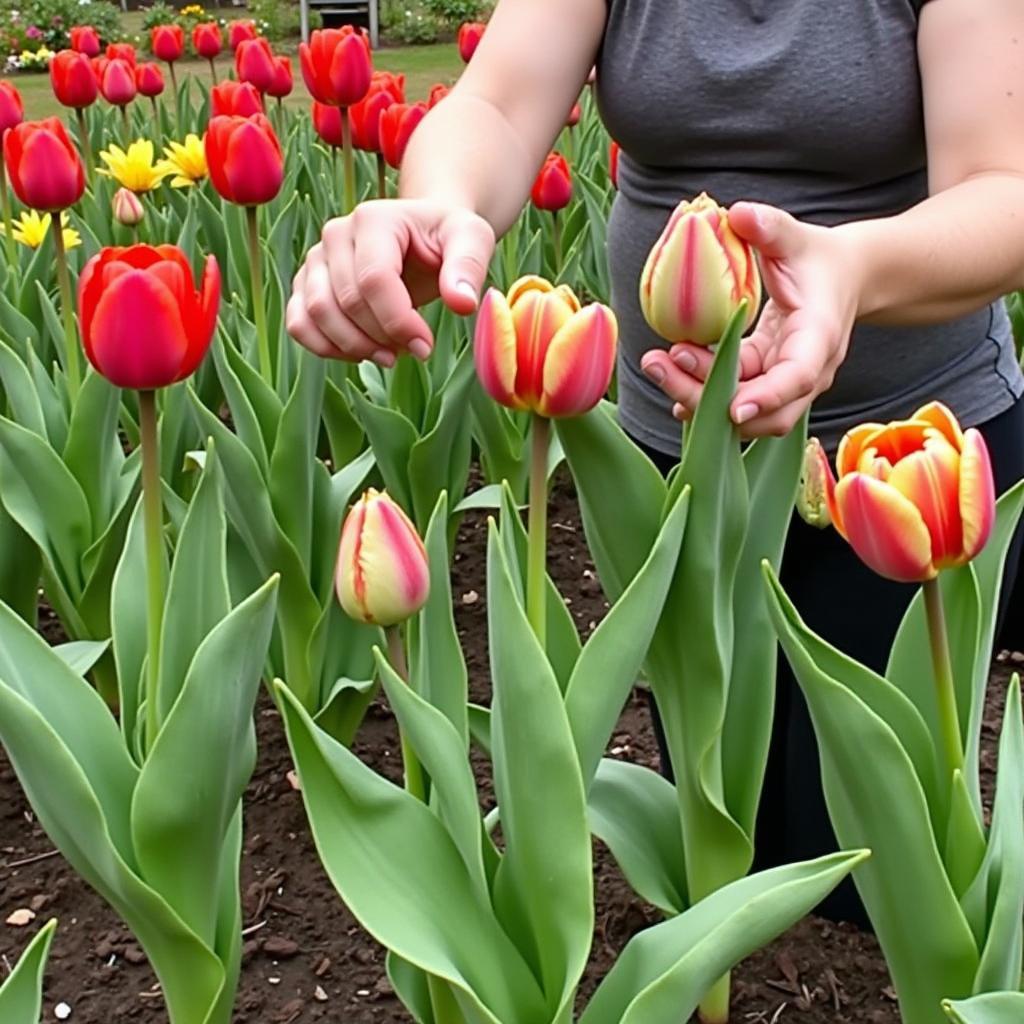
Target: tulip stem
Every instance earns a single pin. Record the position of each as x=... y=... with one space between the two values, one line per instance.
x=213 y=70
x=414 y=783
x=72 y=366
x=258 y=308
x=945 y=688
x=714 y=1007
x=177 y=98
x=382 y=177
x=558 y=244
x=537 y=539
x=125 y=123
x=348 y=163
x=83 y=140
x=153 y=516
x=5 y=205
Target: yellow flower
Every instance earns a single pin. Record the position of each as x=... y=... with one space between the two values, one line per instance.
x=186 y=161
x=30 y=229
x=133 y=169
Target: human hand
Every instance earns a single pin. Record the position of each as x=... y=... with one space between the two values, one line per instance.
x=355 y=297
x=801 y=337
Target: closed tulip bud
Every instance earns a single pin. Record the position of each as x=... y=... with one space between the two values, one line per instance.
x=167 y=42
x=122 y=51
x=553 y=188
x=117 y=82
x=915 y=496
x=382 y=576
x=127 y=208
x=245 y=160
x=328 y=125
x=812 y=498
x=43 y=164
x=437 y=93
x=283 y=83
x=574 y=116
x=468 y=39
x=239 y=31
x=397 y=123
x=536 y=349
x=72 y=79
x=235 y=99
x=149 y=79
x=363 y=119
x=121 y=289
x=336 y=65
x=697 y=274
x=613 y=163
x=85 y=39
x=254 y=63
x=12 y=109
x=207 y=40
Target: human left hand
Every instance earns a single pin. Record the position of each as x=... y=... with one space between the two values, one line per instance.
x=800 y=338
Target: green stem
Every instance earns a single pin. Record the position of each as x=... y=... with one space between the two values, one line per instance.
x=558 y=244
x=413 y=770
x=258 y=308
x=280 y=119
x=945 y=689
x=382 y=177
x=5 y=207
x=126 y=125
x=714 y=1007
x=177 y=99
x=537 y=542
x=348 y=162
x=156 y=112
x=72 y=366
x=83 y=139
x=213 y=71
x=152 y=511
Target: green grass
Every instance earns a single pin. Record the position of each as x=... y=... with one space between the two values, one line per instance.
x=422 y=66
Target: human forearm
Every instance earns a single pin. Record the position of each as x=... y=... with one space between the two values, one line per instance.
x=943 y=258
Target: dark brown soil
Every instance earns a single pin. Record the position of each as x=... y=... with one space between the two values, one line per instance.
x=306 y=959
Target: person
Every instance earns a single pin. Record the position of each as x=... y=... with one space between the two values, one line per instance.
x=867 y=152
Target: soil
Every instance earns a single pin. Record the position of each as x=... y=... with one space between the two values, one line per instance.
x=306 y=959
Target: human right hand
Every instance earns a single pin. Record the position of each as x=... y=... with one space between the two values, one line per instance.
x=356 y=295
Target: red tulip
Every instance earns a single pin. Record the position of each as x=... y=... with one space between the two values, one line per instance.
x=85 y=39
x=328 y=124
x=365 y=119
x=470 y=34
x=122 y=288
x=574 y=116
x=397 y=124
x=235 y=99
x=167 y=42
x=254 y=63
x=553 y=188
x=72 y=79
x=45 y=170
x=389 y=82
x=282 y=84
x=117 y=82
x=239 y=31
x=122 y=51
x=437 y=93
x=245 y=159
x=149 y=79
x=336 y=65
x=613 y=162
x=12 y=109
x=207 y=40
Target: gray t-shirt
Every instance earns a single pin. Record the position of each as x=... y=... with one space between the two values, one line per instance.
x=813 y=106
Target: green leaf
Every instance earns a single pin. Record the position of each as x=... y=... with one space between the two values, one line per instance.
x=25 y=407
x=128 y=623
x=965 y=846
x=20 y=567
x=243 y=417
x=21 y=995
x=991 y=1008
x=391 y=437
x=411 y=987
x=81 y=655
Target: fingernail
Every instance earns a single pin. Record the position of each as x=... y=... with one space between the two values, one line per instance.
x=677 y=411
x=654 y=372
x=420 y=349
x=382 y=357
x=685 y=361
x=466 y=289
x=745 y=412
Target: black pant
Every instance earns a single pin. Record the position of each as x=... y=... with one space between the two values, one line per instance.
x=859 y=612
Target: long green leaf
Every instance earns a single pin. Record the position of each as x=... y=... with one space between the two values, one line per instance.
x=991 y=1008
x=21 y=995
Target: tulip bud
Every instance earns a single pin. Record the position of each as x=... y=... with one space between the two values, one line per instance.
x=697 y=274
x=553 y=188
x=149 y=79
x=43 y=164
x=127 y=208
x=382 y=575
x=239 y=31
x=122 y=51
x=537 y=349
x=245 y=159
x=812 y=496
x=613 y=163
x=282 y=83
x=397 y=124
x=207 y=40
x=12 y=109
x=437 y=93
x=73 y=81
x=574 y=116
x=470 y=34
x=117 y=82
x=85 y=39
x=235 y=99
x=254 y=63
x=336 y=65
x=328 y=124
x=167 y=42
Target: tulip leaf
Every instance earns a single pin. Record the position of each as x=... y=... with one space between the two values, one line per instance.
x=391 y=436
x=128 y=623
x=20 y=567
x=50 y=400
x=401 y=875
x=990 y=1008
x=412 y=988
x=81 y=655
x=21 y=994
x=634 y=812
x=965 y=846
x=22 y=397
x=243 y=417
x=19 y=328
x=500 y=442
x=254 y=391
x=543 y=889
x=344 y=433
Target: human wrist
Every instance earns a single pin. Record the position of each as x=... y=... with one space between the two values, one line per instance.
x=859 y=245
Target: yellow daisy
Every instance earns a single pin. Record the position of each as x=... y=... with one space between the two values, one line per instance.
x=30 y=229
x=133 y=169
x=186 y=161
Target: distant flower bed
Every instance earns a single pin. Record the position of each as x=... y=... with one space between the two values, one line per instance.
x=31 y=31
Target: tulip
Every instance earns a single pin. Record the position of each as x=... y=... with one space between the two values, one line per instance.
x=239 y=31
x=437 y=93
x=697 y=275
x=127 y=208
x=574 y=116
x=207 y=42
x=328 y=125
x=85 y=39
x=397 y=124
x=389 y=82
x=167 y=42
x=470 y=34
x=336 y=65
x=149 y=79
x=122 y=51
x=46 y=172
x=245 y=159
x=364 y=117
x=12 y=109
x=72 y=79
x=382 y=576
x=552 y=190
x=118 y=86
x=235 y=99
x=812 y=496
x=254 y=63
x=282 y=83
x=613 y=163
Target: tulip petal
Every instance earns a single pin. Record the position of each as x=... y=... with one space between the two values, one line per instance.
x=348 y=578
x=938 y=415
x=852 y=445
x=885 y=529
x=538 y=316
x=579 y=363
x=494 y=348
x=977 y=493
x=200 y=330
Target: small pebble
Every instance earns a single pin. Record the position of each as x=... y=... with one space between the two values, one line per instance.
x=293 y=781
x=21 y=917
x=319 y=994
x=62 y=1011
x=470 y=597
x=274 y=981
